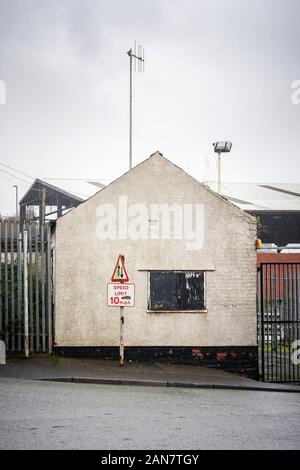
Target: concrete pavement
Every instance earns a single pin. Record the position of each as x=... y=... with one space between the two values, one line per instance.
x=109 y=372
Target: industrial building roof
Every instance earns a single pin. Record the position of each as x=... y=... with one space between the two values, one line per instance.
x=82 y=188
x=262 y=196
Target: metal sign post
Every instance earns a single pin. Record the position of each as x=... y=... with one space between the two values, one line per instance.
x=121 y=269
x=120 y=294
x=122 y=320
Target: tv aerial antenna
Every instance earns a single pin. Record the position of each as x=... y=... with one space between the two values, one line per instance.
x=136 y=60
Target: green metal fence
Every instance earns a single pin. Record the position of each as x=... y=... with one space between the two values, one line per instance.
x=26 y=286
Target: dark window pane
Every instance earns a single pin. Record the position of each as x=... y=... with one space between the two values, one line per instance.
x=171 y=290
x=162 y=290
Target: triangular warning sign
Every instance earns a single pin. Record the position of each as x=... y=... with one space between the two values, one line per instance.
x=120 y=273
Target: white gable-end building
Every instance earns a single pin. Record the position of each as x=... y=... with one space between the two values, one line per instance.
x=191 y=255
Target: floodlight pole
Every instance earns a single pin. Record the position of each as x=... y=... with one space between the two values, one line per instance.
x=219 y=172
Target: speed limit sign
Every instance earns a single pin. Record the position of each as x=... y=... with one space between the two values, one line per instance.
x=120 y=295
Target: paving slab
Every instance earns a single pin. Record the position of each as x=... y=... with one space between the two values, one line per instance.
x=99 y=371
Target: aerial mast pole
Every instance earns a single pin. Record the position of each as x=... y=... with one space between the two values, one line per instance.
x=130 y=109
x=136 y=58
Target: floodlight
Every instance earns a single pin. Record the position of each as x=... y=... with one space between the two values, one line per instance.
x=222 y=146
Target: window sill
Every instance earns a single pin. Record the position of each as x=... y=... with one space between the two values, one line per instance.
x=178 y=311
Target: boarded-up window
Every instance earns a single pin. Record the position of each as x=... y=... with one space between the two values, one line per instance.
x=171 y=290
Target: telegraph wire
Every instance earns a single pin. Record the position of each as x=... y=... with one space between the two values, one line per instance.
x=14 y=176
x=17 y=171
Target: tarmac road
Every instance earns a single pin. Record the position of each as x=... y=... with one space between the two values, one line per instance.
x=48 y=415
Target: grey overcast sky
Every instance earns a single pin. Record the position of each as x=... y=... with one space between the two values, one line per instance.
x=215 y=69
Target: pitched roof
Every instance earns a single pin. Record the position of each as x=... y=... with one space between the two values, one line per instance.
x=32 y=196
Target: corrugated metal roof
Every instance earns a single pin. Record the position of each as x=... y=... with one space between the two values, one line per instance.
x=80 y=187
x=262 y=196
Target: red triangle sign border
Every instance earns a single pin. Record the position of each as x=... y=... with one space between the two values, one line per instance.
x=120 y=261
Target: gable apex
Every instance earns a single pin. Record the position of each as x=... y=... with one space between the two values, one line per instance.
x=156 y=154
